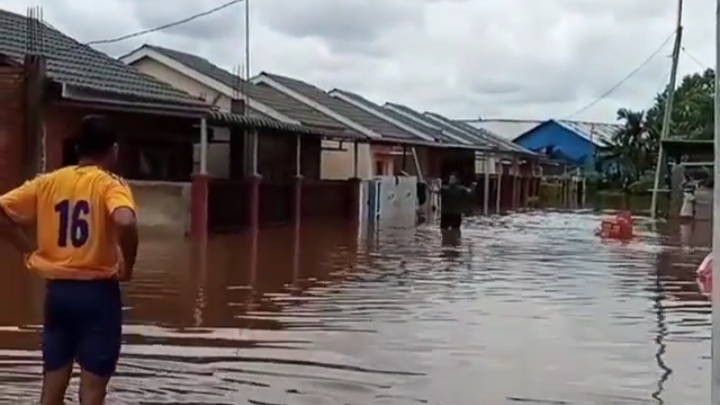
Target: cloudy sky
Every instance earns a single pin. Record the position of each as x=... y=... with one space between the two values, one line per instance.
x=463 y=58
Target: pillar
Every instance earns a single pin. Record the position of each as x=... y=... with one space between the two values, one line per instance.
x=255 y=180
x=354 y=209
x=297 y=194
x=199 y=190
x=515 y=172
x=498 y=197
x=486 y=189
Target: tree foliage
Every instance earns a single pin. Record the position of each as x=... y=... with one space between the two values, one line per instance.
x=631 y=153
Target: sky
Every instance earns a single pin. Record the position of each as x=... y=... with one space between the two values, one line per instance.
x=520 y=59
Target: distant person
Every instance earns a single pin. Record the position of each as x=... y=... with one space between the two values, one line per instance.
x=83 y=214
x=454 y=199
x=688 y=187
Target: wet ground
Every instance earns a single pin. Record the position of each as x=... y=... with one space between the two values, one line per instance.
x=525 y=309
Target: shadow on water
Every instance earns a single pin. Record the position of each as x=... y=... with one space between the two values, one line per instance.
x=529 y=308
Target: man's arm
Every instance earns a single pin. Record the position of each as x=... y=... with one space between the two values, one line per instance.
x=121 y=206
x=17 y=208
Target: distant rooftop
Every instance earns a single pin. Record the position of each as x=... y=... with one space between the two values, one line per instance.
x=511 y=129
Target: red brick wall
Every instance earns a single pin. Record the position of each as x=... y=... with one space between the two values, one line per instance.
x=11 y=126
x=60 y=123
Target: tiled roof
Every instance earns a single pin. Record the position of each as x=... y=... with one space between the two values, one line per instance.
x=347 y=110
x=429 y=131
x=268 y=96
x=75 y=64
x=484 y=135
x=449 y=133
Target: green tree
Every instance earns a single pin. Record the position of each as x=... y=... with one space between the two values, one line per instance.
x=630 y=153
x=692 y=114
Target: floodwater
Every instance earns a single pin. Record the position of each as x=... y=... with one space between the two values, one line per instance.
x=524 y=309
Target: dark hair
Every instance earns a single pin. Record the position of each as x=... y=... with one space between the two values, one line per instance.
x=95 y=137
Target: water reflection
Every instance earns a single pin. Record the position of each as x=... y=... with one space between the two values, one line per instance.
x=525 y=308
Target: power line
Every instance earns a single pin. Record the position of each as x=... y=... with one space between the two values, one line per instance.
x=151 y=30
x=625 y=79
x=694 y=59
x=164 y=26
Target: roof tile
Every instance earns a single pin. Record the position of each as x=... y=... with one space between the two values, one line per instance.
x=343 y=108
x=73 y=63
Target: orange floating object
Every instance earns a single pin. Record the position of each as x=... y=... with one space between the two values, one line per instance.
x=705 y=275
x=620 y=227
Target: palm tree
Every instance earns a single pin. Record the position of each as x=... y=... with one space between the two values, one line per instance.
x=630 y=152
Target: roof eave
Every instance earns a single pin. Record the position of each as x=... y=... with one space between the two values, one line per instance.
x=73 y=93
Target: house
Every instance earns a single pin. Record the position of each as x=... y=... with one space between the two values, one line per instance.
x=572 y=141
x=202 y=78
x=386 y=135
x=49 y=82
x=501 y=150
x=575 y=141
x=70 y=80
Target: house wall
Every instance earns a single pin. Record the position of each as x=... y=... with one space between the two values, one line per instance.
x=339 y=164
x=577 y=148
x=218 y=153
x=11 y=127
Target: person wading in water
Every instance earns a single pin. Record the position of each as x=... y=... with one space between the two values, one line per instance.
x=454 y=199
x=86 y=244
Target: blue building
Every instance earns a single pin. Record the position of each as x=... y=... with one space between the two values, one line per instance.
x=573 y=141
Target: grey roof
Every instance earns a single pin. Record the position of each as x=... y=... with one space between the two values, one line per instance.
x=483 y=134
x=430 y=131
x=345 y=109
x=72 y=63
x=454 y=132
x=251 y=121
x=268 y=96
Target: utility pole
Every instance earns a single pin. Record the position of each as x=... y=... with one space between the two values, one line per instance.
x=667 y=118
x=715 y=351
x=247 y=50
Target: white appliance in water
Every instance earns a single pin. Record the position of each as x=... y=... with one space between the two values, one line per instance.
x=391 y=200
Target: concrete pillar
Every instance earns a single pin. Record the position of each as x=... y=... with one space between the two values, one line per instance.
x=498 y=197
x=515 y=172
x=255 y=180
x=297 y=210
x=200 y=188
x=486 y=189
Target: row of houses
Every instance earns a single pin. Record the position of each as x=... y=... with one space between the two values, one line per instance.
x=276 y=139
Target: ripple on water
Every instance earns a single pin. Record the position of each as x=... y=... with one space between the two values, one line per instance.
x=528 y=308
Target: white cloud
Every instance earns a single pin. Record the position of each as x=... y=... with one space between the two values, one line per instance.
x=463 y=58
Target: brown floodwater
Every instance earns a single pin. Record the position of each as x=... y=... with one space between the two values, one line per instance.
x=523 y=309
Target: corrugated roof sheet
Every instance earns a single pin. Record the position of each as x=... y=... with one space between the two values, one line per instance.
x=73 y=63
x=258 y=122
x=595 y=132
x=511 y=129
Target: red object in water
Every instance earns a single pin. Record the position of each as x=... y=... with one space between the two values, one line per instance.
x=620 y=227
x=705 y=275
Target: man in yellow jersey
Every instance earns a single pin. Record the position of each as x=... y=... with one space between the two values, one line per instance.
x=83 y=213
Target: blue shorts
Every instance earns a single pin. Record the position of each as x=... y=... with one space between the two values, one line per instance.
x=83 y=322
